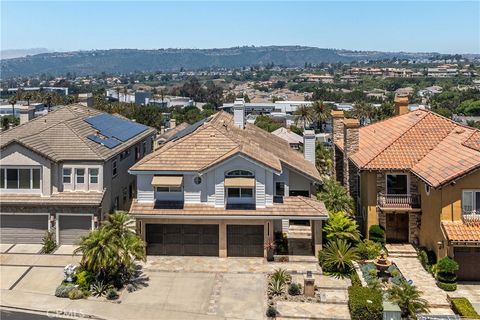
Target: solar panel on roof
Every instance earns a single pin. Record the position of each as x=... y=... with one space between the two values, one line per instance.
x=108 y=142
x=115 y=127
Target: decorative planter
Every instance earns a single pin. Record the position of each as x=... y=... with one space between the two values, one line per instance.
x=280 y=258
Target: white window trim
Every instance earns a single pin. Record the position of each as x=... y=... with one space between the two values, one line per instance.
x=473 y=201
x=397 y=173
x=18 y=189
x=169 y=190
x=71 y=173
x=90 y=176
x=84 y=176
x=57 y=223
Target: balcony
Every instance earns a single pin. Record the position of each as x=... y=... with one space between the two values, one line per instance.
x=471 y=217
x=398 y=201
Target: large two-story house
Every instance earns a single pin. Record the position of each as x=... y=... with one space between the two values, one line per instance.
x=222 y=187
x=416 y=175
x=64 y=171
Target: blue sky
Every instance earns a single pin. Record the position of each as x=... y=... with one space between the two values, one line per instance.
x=442 y=26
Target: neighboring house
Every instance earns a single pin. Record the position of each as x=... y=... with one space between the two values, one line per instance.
x=65 y=171
x=293 y=139
x=417 y=175
x=224 y=188
x=166 y=135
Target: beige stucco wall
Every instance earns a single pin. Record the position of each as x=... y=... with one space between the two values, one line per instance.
x=268 y=228
x=368 y=199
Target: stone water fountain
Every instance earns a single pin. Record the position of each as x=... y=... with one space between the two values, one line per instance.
x=382 y=264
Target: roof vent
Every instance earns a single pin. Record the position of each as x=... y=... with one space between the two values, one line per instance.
x=459 y=130
x=418 y=113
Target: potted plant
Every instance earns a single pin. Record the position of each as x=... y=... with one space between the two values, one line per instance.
x=270 y=247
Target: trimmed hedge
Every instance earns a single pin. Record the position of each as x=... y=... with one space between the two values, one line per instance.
x=447 y=286
x=427 y=258
x=464 y=308
x=359 y=308
x=376 y=234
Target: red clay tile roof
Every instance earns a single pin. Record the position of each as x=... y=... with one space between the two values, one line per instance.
x=219 y=139
x=434 y=148
x=291 y=206
x=457 y=231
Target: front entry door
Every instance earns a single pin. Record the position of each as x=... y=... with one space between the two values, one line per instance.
x=397 y=227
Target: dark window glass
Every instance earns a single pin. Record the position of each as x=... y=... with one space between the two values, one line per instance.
x=24 y=178
x=80 y=173
x=280 y=189
x=397 y=184
x=12 y=179
x=247 y=193
x=477 y=201
x=240 y=173
x=67 y=175
x=2 y=178
x=233 y=192
x=36 y=178
x=163 y=189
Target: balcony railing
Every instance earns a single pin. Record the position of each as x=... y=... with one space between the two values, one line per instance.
x=471 y=217
x=399 y=201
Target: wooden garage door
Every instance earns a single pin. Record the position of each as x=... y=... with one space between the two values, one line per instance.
x=182 y=239
x=71 y=228
x=245 y=240
x=23 y=228
x=468 y=259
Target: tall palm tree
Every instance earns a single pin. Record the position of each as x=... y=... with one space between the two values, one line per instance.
x=408 y=298
x=363 y=111
x=27 y=96
x=336 y=197
x=13 y=101
x=302 y=115
x=320 y=112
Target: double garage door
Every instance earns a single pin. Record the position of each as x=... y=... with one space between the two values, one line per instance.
x=203 y=240
x=468 y=259
x=32 y=228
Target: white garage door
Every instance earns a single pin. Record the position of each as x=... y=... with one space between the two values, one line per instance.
x=23 y=228
x=71 y=228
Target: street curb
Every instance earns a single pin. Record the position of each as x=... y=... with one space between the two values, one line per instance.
x=84 y=316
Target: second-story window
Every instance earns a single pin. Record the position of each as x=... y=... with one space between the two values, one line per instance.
x=397 y=183
x=137 y=153
x=471 y=202
x=67 y=175
x=93 y=173
x=80 y=175
x=280 y=189
x=114 y=168
x=144 y=148
x=20 y=178
x=169 y=189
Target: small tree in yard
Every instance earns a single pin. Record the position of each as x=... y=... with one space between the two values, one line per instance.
x=336 y=258
x=336 y=197
x=340 y=226
x=409 y=299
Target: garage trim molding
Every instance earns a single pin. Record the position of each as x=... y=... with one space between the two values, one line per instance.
x=57 y=223
x=29 y=214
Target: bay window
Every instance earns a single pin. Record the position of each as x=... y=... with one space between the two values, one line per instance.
x=20 y=178
x=93 y=173
x=67 y=175
x=471 y=202
x=80 y=175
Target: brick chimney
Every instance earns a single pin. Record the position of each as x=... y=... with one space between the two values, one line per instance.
x=401 y=105
x=350 y=146
x=309 y=139
x=337 y=135
x=239 y=113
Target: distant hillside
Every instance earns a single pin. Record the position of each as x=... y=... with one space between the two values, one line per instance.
x=129 y=60
x=18 y=53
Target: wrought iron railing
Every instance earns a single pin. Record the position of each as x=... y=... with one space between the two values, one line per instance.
x=403 y=201
x=471 y=216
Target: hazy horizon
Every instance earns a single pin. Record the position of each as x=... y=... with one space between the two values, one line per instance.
x=390 y=26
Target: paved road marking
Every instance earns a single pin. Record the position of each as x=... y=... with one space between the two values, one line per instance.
x=20 y=279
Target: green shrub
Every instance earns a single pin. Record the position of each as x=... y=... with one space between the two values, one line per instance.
x=447 y=265
x=63 y=290
x=446 y=277
x=112 y=294
x=271 y=312
x=447 y=286
x=281 y=275
x=427 y=258
x=359 y=299
x=368 y=249
x=98 y=288
x=464 y=308
x=294 y=289
x=75 y=294
x=276 y=287
x=49 y=243
x=83 y=279
x=355 y=280
x=376 y=234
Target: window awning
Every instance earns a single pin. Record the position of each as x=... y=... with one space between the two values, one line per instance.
x=167 y=181
x=239 y=182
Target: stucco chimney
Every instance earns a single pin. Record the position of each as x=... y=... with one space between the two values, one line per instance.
x=350 y=146
x=337 y=135
x=27 y=113
x=401 y=105
x=239 y=113
x=309 y=145
x=173 y=123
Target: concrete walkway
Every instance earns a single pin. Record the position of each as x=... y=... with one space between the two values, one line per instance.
x=226 y=265
x=44 y=260
x=412 y=269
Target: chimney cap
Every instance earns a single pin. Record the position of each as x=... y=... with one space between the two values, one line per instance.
x=337 y=114
x=401 y=99
x=309 y=133
x=351 y=123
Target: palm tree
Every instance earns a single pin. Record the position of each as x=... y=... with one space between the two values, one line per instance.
x=323 y=160
x=27 y=96
x=99 y=253
x=336 y=197
x=302 y=115
x=340 y=226
x=363 y=111
x=13 y=101
x=320 y=112
x=408 y=298
x=337 y=257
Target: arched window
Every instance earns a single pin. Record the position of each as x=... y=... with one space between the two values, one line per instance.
x=239 y=173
